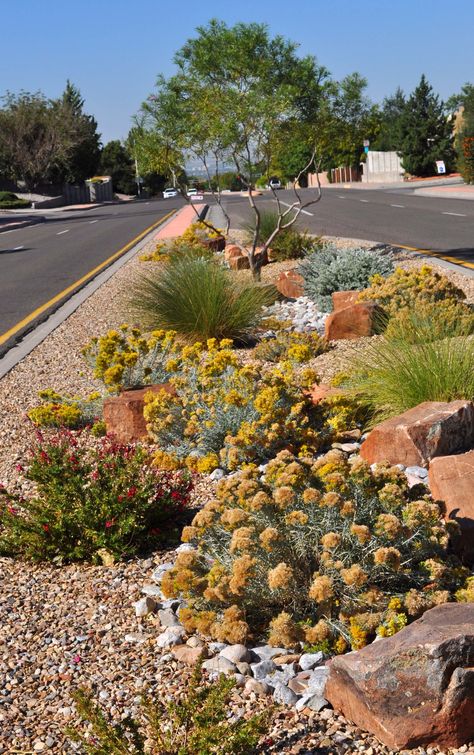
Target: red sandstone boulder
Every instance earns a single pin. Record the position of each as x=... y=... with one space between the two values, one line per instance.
x=320 y=392
x=416 y=688
x=452 y=481
x=239 y=262
x=342 y=299
x=217 y=243
x=123 y=414
x=290 y=284
x=231 y=251
x=430 y=429
x=353 y=321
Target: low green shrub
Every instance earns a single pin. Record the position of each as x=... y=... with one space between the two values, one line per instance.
x=315 y=551
x=332 y=269
x=289 y=244
x=10 y=201
x=91 y=504
x=414 y=361
x=198 y=722
x=295 y=347
x=199 y=299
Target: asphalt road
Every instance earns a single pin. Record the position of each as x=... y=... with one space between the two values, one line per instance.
x=396 y=216
x=39 y=262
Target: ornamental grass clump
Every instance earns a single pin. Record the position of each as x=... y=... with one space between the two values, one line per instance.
x=199 y=299
x=222 y=413
x=332 y=269
x=197 y=722
x=326 y=553
x=416 y=360
x=100 y=503
x=127 y=358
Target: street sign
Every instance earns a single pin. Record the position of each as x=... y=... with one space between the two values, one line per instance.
x=440 y=166
x=366 y=149
x=366 y=143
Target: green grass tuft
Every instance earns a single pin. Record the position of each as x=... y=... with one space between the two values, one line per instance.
x=199 y=299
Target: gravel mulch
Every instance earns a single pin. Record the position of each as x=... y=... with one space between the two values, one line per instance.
x=61 y=628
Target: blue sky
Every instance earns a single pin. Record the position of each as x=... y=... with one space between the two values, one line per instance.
x=113 y=49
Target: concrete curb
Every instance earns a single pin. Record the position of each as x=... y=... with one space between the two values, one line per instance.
x=17 y=224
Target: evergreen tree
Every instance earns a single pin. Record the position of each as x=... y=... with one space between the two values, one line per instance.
x=426 y=132
x=393 y=109
x=115 y=161
x=84 y=161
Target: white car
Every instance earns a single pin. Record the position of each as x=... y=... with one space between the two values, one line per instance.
x=171 y=192
x=274 y=183
x=191 y=192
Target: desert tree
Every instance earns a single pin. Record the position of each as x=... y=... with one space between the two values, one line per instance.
x=235 y=92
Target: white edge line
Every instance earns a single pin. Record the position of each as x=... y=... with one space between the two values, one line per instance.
x=305 y=212
x=457 y=214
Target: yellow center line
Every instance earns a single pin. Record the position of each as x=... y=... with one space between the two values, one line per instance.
x=432 y=253
x=39 y=310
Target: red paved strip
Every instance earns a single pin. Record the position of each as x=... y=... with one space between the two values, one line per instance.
x=180 y=222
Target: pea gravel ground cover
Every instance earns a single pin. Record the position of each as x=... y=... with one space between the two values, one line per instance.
x=75 y=626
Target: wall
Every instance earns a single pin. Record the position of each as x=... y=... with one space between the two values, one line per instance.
x=382 y=167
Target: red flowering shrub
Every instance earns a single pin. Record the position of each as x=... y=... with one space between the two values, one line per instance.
x=101 y=504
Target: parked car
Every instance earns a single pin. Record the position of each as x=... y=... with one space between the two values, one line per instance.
x=192 y=192
x=171 y=192
x=274 y=183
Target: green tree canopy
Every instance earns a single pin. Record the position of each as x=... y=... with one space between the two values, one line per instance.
x=85 y=157
x=37 y=137
x=391 y=116
x=116 y=161
x=426 y=132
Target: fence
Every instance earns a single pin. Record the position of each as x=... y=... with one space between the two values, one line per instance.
x=346 y=174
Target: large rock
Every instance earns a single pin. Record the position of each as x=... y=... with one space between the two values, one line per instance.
x=416 y=688
x=342 y=299
x=123 y=414
x=290 y=284
x=430 y=429
x=452 y=481
x=353 y=321
x=216 y=243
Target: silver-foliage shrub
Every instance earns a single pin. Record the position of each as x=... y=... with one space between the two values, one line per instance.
x=332 y=269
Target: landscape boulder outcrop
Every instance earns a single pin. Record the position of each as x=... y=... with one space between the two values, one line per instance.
x=290 y=284
x=416 y=688
x=352 y=321
x=123 y=414
x=452 y=481
x=433 y=428
x=342 y=299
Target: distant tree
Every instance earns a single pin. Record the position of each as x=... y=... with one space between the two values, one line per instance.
x=391 y=116
x=85 y=158
x=116 y=161
x=36 y=138
x=352 y=119
x=426 y=132
x=464 y=141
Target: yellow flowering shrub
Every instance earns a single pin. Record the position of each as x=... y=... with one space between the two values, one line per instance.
x=224 y=413
x=56 y=410
x=296 y=347
x=296 y=563
x=431 y=295
x=126 y=358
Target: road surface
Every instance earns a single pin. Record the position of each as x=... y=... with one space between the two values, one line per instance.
x=42 y=265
